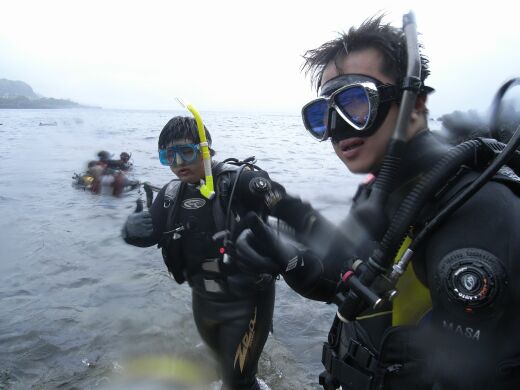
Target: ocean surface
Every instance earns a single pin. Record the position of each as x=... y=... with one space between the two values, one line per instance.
x=79 y=308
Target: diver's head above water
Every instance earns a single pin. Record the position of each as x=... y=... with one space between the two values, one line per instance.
x=124 y=157
x=358 y=77
x=179 y=148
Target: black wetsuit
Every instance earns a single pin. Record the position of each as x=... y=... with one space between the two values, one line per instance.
x=473 y=256
x=233 y=311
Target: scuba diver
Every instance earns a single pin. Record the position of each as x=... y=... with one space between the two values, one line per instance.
x=107 y=176
x=192 y=223
x=118 y=169
x=124 y=161
x=123 y=164
x=449 y=210
x=104 y=158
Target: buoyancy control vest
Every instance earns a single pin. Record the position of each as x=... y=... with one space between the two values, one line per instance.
x=173 y=199
x=198 y=231
x=355 y=357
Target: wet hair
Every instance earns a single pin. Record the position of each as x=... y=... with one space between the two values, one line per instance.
x=179 y=128
x=124 y=155
x=371 y=34
x=103 y=155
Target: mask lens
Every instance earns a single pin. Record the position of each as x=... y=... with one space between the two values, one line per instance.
x=354 y=104
x=315 y=118
x=163 y=157
x=188 y=152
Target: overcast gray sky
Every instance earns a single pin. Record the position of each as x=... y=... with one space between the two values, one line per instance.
x=238 y=55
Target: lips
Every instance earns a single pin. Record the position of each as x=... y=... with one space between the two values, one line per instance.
x=183 y=172
x=351 y=147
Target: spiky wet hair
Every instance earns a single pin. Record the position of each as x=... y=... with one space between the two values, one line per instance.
x=372 y=33
x=181 y=127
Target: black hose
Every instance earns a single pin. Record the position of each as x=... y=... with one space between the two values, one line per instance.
x=505 y=154
x=356 y=300
x=476 y=185
x=230 y=202
x=496 y=107
x=373 y=210
x=422 y=192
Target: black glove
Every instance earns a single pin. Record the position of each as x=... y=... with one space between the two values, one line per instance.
x=138 y=229
x=256 y=190
x=259 y=250
x=295 y=212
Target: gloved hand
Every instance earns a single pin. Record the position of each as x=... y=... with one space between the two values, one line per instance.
x=259 y=250
x=276 y=193
x=257 y=191
x=292 y=210
x=138 y=229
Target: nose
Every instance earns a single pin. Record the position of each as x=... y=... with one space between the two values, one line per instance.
x=178 y=159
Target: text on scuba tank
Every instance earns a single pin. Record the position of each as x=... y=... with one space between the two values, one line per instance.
x=245 y=344
x=469 y=333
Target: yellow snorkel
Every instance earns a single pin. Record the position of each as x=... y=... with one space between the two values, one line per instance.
x=206 y=186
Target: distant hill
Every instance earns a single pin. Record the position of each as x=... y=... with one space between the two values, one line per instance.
x=17 y=94
x=12 y=89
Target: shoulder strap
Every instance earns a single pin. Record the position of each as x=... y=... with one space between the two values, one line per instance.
x=224 y=174
x=171 y=248
x=222 y=167
x=171 y=194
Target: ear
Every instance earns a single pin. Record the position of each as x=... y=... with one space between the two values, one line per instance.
x=420 y=103
x=420 y=107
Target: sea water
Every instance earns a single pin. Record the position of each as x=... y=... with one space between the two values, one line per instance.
x=78 y=304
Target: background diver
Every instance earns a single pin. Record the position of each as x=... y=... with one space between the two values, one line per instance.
x=233 y=311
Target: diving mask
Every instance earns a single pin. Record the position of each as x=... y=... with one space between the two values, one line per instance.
x=350 y=105
x=187 y=153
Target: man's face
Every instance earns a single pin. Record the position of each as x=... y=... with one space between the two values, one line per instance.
x=363 y=154
x=189 y=172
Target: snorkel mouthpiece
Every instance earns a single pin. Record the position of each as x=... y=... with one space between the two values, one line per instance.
x=206 y=186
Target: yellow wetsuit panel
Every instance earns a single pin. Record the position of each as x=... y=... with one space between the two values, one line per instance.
x=413 y=300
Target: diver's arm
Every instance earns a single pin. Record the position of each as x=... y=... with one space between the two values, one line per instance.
x=145 y=228
x=260 y=249
x=310 y=279
x=327 y=244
